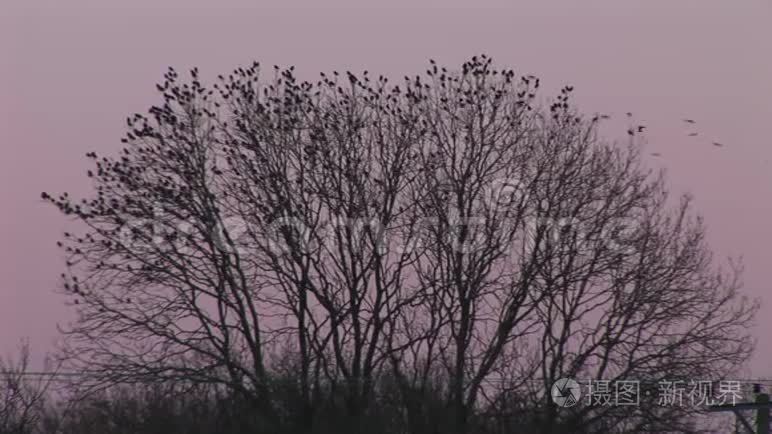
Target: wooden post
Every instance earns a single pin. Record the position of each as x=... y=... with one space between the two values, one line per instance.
x=762 y=414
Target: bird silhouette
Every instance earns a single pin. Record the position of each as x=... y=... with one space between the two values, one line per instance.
x=692 y=134
x=656 y=154
x=718 y=144
x=689 y=121
x=640 y=128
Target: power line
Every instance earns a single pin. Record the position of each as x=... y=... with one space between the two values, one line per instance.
x=75 y=374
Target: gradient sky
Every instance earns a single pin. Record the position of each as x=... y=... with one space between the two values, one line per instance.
x=71 y=72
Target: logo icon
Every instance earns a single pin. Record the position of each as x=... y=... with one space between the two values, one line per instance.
x=566 y=392
x=506 y=192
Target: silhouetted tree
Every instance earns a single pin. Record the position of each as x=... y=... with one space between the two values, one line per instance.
x=22 y=397
x=425 y=241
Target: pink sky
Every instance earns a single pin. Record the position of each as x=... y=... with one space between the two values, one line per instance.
x=69 y=76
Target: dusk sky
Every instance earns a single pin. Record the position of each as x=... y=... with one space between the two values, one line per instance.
x=71 y=72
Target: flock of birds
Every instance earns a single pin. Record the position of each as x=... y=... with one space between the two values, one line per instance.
x=691 y=122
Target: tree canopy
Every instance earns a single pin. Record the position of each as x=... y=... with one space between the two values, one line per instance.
x=447 y=234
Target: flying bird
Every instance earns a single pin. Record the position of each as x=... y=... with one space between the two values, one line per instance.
x=692 y=134
x=640 y=128
x=656 y=154
x=689 y=121
x=718 y=144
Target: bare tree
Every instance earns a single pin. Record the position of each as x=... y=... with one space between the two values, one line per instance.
x=23 y=395
x=447 y=231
